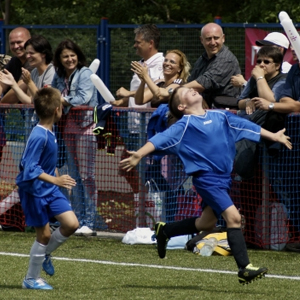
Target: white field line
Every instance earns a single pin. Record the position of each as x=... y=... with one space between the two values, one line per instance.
x=103 y=262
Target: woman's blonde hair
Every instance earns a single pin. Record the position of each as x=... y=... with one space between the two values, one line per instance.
x=183 y=64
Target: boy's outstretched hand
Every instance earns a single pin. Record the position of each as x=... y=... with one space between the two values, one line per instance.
x=135 y=156
x=283 y=139
x=130 y=162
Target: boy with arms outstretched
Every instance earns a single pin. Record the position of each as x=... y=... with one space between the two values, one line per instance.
x=205 y=143
x=39 y=183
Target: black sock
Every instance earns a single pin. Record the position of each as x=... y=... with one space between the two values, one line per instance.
x=238 y=246
x=186 y=226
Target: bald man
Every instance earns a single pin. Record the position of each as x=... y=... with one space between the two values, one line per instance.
x=212 y=72
x=17 y=40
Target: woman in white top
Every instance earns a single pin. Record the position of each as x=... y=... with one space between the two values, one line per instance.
x=39 y=55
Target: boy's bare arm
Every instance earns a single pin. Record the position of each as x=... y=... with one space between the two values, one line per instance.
x=279 y=136
x=135 y=156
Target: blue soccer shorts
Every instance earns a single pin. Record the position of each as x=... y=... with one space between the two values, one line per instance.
x=214 y=190
x=39 y=210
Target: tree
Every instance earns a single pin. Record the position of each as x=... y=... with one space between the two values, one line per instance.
x=145 y=11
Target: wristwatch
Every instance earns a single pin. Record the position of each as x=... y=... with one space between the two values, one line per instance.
x=271 y=106
x=170 y=90
x=260 y=77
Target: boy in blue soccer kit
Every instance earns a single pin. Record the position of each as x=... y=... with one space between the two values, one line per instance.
x=205 y=143
x=39 y=183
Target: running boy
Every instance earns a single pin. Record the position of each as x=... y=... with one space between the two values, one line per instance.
x=205 y=143
x=38 y=183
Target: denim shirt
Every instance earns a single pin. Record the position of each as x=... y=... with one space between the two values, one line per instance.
x=82 y=92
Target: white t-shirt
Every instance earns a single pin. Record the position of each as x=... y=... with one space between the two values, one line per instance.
x=45 y=78
x=41 y=80
x=155 y=70
x=285 y=67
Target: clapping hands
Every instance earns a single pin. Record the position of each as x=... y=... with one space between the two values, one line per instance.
x=7 y=78
x=26 y=76
x=140 y=69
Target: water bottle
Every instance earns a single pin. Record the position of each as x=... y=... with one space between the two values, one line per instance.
x=136 y=208
x=209 y=247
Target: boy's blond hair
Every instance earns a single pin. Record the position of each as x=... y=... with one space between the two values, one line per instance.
x=46 y=100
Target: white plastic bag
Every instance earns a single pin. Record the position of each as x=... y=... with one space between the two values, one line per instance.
x=156 y=199
x=154 y=205
x=139 y=235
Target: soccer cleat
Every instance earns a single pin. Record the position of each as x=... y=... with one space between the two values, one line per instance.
x=161 y=239
x=250 y=273
x=36 y=284
x=48 y=266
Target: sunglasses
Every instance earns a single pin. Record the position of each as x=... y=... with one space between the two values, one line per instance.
x=265 y=61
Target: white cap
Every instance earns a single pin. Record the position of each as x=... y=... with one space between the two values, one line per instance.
x=274 y=38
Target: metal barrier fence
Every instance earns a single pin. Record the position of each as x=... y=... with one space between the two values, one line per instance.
x=106 y=198
x=116 y=205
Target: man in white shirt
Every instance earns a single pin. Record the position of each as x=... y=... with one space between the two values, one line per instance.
x=146 y=43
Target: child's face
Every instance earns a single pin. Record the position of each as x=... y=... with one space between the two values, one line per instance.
x=189 y=96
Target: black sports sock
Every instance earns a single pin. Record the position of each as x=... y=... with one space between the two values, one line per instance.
x=186 y=226
x=238 y=247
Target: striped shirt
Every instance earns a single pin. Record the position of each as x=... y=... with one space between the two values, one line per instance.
x=214 y=74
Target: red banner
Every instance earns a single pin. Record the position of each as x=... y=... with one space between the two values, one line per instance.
x=252 y=35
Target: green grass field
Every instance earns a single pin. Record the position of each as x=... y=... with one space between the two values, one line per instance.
x=103 y=268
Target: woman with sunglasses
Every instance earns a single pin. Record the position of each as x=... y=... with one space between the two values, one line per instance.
x=266 y=80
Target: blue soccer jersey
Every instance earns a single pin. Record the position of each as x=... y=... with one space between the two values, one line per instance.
x=39 y=156
x=207 y=142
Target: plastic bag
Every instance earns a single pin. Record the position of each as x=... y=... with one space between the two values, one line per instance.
x=154 y=205
x=139 y=235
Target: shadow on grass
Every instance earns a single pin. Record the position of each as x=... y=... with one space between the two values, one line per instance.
x=197 y=287
x=11 y=287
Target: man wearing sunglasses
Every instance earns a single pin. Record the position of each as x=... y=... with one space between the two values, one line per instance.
x=275 y=39
x=266 y=80
x=265 y=84
x=279 y=40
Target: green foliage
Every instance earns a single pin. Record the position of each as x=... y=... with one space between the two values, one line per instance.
x=267 y=11
x=156 y=11
x=15 y=125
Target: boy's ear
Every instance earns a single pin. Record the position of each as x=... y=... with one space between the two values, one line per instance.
x=57 y=109
x=181 y=107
